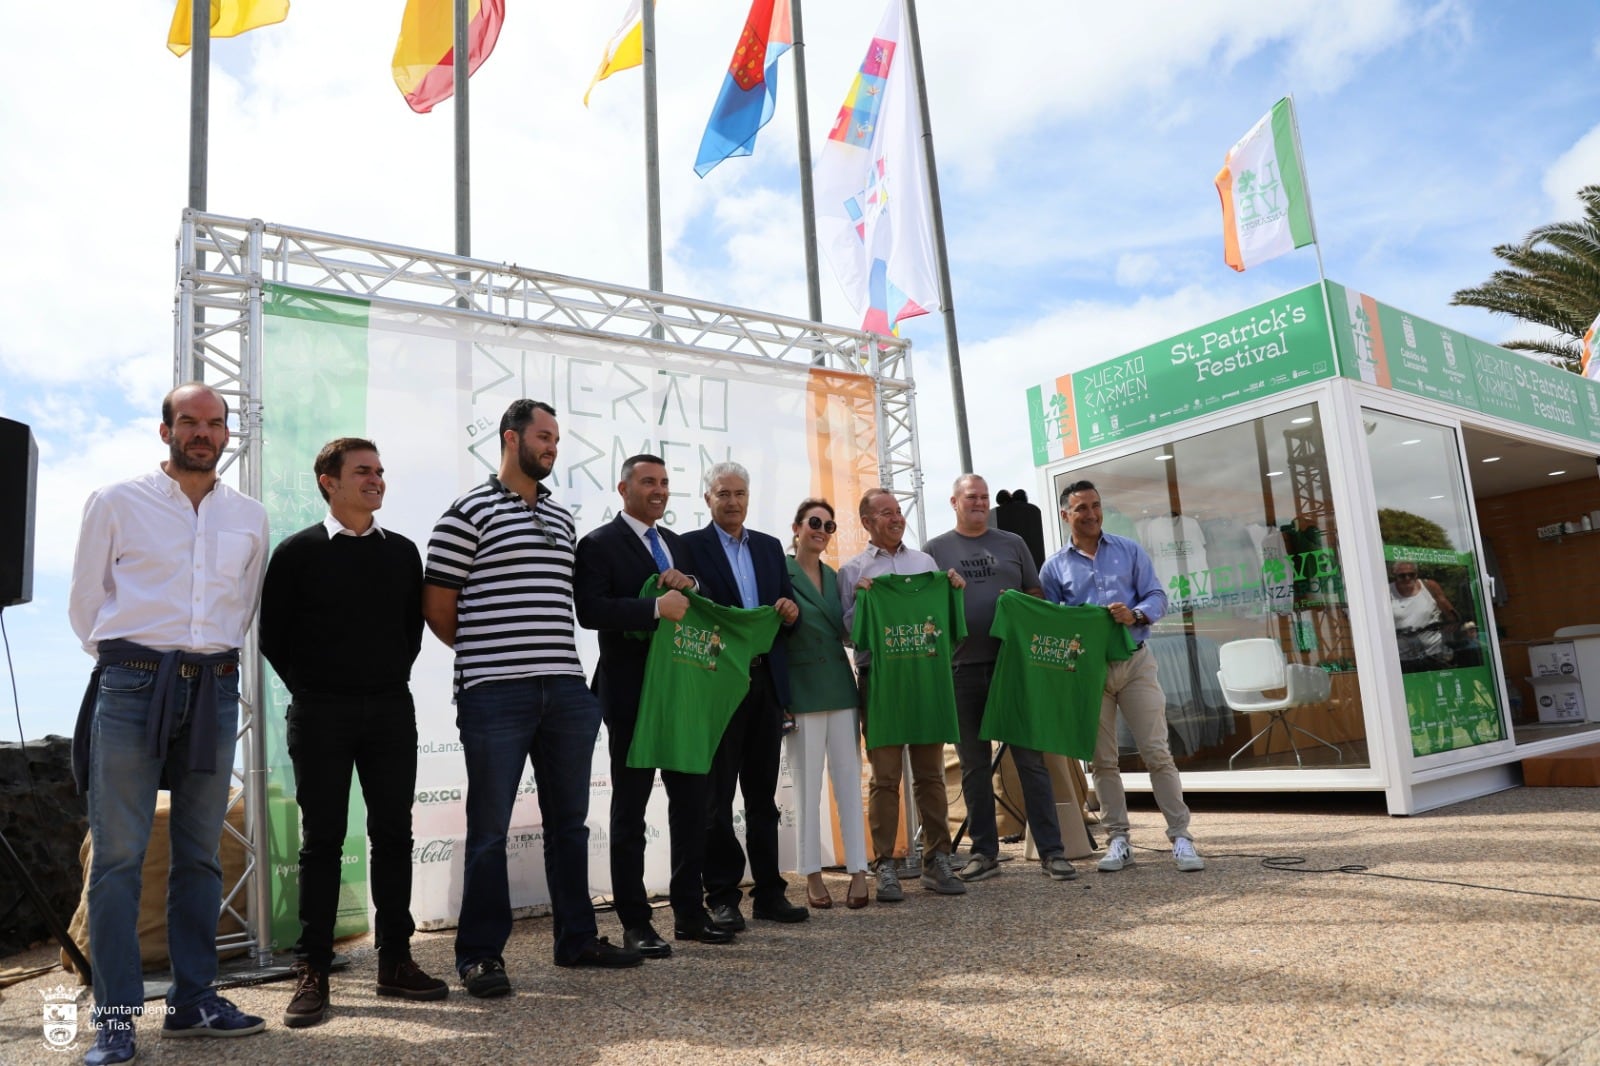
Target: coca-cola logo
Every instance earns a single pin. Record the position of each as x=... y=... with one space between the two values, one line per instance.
x=433 y=851
x=439 y=795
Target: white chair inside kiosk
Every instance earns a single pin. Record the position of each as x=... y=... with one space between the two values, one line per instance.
x=1249 y=669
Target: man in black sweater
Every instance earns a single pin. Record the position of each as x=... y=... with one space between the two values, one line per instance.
x=341 y=623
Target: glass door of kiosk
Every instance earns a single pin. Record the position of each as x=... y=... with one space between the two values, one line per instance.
x=1435 y=585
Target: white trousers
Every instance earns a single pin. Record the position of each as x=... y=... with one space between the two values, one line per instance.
x=834 y=736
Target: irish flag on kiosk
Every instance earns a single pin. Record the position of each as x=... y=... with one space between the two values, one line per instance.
x=1265 y=209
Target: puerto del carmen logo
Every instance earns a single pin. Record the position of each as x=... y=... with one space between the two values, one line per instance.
x=60 y=1016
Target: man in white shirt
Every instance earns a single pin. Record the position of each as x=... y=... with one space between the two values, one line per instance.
x=164 y=584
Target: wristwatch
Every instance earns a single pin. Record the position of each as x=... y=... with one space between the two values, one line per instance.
x=1140 y=618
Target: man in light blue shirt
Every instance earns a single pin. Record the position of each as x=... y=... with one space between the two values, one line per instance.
x=1096 y=567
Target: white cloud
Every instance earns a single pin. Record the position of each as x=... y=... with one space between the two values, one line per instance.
x=1573 y=169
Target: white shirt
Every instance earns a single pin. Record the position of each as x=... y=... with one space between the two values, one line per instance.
x=151 y=569
x=639 y=529
x=337 y=528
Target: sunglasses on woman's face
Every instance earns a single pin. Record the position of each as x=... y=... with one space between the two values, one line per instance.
x=827 y=527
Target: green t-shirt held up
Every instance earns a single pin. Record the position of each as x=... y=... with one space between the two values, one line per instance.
x=910 y=623
x=697 y=671
x=1051 y=674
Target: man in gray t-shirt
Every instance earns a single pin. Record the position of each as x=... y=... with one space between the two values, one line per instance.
x=992 y=561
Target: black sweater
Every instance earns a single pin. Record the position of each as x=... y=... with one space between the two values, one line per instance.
x=342 y=614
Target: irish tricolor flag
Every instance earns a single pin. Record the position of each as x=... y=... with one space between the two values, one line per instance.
x=1590 y=367
x=1265 y=210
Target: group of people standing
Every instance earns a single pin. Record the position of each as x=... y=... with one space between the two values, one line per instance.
x=169 y=569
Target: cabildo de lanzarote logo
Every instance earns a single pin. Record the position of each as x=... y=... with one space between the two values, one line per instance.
x=60 y=1017
x=692 y=644
x=1056 y=653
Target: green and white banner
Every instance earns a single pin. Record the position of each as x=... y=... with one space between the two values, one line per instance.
x=429 y=388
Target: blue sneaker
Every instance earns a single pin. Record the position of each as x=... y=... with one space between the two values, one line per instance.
x=114 y=1043
x=212 y=1016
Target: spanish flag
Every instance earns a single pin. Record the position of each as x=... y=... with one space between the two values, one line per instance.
x=229 y=18
x=425 y=54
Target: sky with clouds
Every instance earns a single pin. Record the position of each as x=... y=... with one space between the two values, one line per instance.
x=1076 y=146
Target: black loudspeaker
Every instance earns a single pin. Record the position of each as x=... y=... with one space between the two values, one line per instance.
x=19 y=468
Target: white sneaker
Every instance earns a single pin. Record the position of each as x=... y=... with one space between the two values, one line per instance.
x=1117 y=855
x=1185 y=856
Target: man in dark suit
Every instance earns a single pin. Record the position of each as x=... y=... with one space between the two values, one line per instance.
x=613 y=563
x=739 y=567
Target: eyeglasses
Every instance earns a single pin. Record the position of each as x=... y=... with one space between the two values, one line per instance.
x=827 y=527
x=1405 y=577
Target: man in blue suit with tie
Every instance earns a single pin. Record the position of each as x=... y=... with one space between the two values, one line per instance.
x=739 y=567
x=613 y=563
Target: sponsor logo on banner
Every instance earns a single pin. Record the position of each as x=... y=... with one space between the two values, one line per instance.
x=433 y=851
x=428 y=796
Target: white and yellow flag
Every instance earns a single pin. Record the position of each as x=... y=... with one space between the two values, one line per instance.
x=624 y=50
x=1265 y=209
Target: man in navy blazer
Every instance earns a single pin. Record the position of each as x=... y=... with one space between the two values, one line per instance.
x=739 y=567
x=613 y=563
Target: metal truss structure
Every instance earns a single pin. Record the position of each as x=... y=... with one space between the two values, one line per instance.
x=224 y=263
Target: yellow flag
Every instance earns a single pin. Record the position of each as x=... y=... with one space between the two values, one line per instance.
x=624 y=50
x=229 y=18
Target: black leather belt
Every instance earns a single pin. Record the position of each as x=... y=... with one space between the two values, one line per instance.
x=185 y=669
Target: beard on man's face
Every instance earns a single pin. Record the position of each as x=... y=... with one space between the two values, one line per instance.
x=201 y=463
x=531 y=465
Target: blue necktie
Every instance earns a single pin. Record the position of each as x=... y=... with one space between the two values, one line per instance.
x=663 y=564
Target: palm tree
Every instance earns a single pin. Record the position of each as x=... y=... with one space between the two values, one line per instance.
x=1551 y=279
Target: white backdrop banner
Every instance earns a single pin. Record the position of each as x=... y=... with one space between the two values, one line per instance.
x=429 y=391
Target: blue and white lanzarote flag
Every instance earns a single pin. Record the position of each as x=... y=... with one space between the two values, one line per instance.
x=873 y=217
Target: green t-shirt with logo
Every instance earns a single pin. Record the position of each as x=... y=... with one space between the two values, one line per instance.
x=697 y=671
x=910 y=623
x=1051 y=674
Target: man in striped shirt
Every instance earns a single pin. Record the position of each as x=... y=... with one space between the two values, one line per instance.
x=498 y=590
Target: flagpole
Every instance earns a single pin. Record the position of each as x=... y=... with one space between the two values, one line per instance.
x=652 y=147
x=463 y=135
x=941 y=256
x=808 y=212
x=199 y=138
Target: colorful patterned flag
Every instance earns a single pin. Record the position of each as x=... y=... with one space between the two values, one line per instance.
x=1590 y=367
x=750 y=88
x=873 y=216
x=1265 y=210
x=229 y=18
x=425 y=53
x=624 y=50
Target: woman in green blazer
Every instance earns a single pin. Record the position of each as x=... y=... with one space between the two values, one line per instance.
x=822 y=690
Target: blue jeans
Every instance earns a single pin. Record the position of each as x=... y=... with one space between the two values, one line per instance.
x=553 y=721
x=122 y=799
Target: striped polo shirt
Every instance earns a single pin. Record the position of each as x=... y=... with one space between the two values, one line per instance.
x=512 y=566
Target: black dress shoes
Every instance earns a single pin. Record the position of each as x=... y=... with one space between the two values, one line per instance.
x=703 y=931
x=779 y=910
x=727 y=918
x=602 y=952
x=647 y=942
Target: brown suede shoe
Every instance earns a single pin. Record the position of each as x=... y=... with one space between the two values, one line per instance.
x=408 y=981
x=309 y=1003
